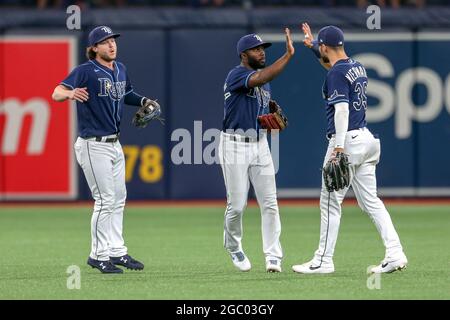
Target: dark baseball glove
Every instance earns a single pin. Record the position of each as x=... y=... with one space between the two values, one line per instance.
x=149 y=111
x=276 y=119
x=336 y=173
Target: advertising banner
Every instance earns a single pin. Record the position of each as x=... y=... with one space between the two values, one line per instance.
x=36 y=133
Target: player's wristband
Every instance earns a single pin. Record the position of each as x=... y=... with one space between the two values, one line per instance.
x=339 y=140
x=315 y=50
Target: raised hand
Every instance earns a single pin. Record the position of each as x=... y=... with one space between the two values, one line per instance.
x=289 y=45
x=308 y=35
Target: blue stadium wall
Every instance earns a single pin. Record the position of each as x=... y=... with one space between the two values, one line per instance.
x=185 y=67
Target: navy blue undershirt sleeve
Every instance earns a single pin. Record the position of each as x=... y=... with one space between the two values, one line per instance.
x=133 y=99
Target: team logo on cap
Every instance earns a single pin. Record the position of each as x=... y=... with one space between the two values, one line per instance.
x=106 y=29
x=258 y=38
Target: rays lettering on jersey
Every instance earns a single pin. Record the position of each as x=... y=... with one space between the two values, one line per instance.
x=262 y=96
x=115 y=90
x=227 y=94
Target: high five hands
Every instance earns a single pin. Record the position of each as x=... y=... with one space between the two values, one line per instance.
x=289 y=45
x=308 y=35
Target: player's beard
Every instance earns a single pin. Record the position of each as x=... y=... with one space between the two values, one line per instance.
x=106 y=57
x=325 y=59
x=255 y=64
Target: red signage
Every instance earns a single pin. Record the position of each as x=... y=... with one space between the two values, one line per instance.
x=36 y=133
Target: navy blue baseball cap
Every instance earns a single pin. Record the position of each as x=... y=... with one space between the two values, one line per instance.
x=250 y=41
x=330 y=36
x=99 y=34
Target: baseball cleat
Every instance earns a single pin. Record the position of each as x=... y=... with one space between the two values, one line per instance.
x=310 y=268
x=103 y=266
x=241 y=261
x=128 y=262
x=390 y=266
x=273 y=265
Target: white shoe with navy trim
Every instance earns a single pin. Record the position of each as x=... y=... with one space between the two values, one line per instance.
x=311 y=267
x=273 y=265
x=241 y=261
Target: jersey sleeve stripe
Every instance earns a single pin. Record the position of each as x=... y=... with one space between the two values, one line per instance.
x=67 y=85
x=248 y=77
x=129 y=92
x=337 y=101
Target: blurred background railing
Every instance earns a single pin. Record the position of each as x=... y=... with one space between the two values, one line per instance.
x=180 y=52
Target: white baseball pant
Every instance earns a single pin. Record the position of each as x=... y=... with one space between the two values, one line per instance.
x=242 y=163
x=364 y=154
x=103 y=164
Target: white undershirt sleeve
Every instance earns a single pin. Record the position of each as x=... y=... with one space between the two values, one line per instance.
x=341 y=113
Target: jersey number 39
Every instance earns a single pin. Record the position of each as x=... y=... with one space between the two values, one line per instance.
x=360 y=90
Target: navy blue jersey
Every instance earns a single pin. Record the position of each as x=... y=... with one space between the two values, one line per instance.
x=242 y=104
x=346 y=82
x=101 y=114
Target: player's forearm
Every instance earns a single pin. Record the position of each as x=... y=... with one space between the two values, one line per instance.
x=341 y=114
x=60 y=94
x=267 y=74
x=134 y=99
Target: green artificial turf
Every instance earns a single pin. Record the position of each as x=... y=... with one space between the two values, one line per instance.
x=184 y=257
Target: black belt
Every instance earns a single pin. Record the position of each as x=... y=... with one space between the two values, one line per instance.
x=104 y=139
x=99 y=139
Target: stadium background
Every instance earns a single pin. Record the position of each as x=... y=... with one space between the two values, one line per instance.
x=179 y=52
x=181 y=55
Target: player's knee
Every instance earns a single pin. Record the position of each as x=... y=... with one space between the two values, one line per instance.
x=372 y=205
x=121 y=197
x=362 y=206
x=105 y=203
x=330 y=198
x=270 y=206
x=108 y=206
x=236 y=208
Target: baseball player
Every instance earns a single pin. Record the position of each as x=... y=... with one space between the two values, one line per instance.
x=100 y=88
x=244 y=151
x=344 y=92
